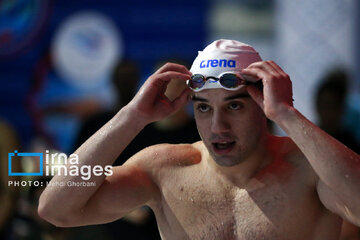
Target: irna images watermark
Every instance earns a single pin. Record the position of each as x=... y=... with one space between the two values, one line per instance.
x=51 y=164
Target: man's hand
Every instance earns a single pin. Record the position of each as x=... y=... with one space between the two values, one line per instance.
x=277 y=91
x=150 y=103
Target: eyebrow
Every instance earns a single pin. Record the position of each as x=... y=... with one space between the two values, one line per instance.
x=239 y=95
x=198 y=99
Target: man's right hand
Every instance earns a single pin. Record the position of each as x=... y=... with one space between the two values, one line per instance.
x=150 y=103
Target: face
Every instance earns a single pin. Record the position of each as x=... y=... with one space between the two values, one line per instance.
x=230 y=124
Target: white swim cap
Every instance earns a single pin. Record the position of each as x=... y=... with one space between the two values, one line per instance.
x=223 y=56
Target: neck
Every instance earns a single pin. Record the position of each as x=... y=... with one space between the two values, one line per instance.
x=243 y=172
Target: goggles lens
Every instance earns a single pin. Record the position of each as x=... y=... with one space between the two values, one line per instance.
x=197 y=81
x=230 y=80
x=227 y=81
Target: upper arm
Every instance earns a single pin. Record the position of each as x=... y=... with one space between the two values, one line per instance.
x=131 y=186
x=335 y=203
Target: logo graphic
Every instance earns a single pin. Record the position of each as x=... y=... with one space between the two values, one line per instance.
x=86 y=48
x=59 y=164
x=16 y=153
x=217 y=63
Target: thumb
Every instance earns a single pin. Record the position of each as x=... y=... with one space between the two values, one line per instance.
x=182 y=99
x=257 y=95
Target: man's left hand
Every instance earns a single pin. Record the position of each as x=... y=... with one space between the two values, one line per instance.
x=277 y=92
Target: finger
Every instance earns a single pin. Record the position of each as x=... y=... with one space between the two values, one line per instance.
x=255 y=64
x=264 y=65
x=269 y=66
x=249 y=78
x=173 y=67
x=162 y=79
x=257 y=95
x=182 y=99
x=165 y=100
x=278 y=69
x=255 y=73
x=250 y=72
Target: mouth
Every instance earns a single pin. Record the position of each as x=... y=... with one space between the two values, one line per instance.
x=223 y=147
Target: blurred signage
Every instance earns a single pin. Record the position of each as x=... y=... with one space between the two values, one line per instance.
x=20 y=24
x=85 y=49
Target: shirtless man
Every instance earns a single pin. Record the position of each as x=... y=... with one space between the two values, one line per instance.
x=239 y=182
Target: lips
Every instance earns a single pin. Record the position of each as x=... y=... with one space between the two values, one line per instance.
x=223 y=146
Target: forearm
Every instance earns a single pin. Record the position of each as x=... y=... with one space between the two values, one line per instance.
x=335 y=164
x=101 y=149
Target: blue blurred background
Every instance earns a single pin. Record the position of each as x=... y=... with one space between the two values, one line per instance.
x=149 y=31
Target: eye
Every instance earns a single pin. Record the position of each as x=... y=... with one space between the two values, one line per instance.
x=235 y=105
x=203 y=108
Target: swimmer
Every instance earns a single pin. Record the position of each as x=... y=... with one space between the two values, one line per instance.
x=239 y=182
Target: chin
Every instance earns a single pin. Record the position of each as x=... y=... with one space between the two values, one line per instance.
x=227 y=161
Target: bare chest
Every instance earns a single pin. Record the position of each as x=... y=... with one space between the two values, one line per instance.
x=194 y=210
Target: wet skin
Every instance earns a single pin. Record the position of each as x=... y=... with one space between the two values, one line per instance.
x=239 y=182
x=279 y=202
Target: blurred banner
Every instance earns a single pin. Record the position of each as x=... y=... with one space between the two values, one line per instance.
x=313 y=38
x=21 y=23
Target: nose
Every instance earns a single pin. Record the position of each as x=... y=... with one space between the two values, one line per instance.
x=219 y=123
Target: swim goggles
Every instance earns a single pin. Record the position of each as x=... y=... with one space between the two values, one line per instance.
x=228 y=81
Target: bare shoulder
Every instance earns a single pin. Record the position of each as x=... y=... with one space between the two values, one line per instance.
x=288 y=149
x=291 y=153
x=162 y=157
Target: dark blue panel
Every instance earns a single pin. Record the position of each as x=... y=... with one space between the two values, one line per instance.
x=151 y=30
